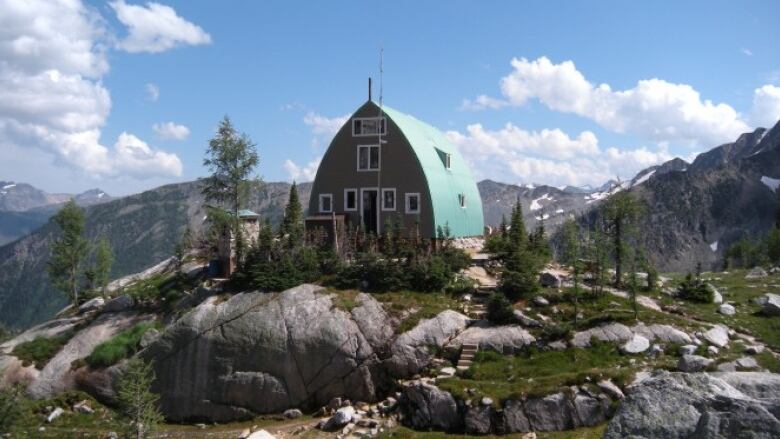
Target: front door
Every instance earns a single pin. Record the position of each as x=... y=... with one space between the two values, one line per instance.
x=370 y=210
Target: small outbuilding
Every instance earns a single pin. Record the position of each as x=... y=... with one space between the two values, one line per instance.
x=385 y=164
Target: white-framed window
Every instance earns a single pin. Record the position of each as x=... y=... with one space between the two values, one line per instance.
x=326 y=203
x=368 y=126
x=350 y=200
x=388 y=199
x=462 y=200
x=413 y=202
x=368 y=158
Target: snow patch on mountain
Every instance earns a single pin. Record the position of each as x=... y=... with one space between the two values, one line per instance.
x=771 y=183
x=535 y=203
x=643 y=178
x=714 y=246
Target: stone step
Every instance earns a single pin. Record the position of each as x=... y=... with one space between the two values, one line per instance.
x=465 y=363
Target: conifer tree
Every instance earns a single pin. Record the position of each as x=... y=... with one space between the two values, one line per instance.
x=104 y=259
x=136 y=400
x=620 y=212
x=68 y=251
x=571 y=256
x=518 y=237
x=292 y=223
x=231 y=157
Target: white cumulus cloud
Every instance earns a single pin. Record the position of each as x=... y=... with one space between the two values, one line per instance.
x=52 y=59
x=323 y=125
x=655 y=109
x=155 y=28
x=152 y=92
x=135 y=157
x=171 y=131
x=766 y=106
x=302 y=173
x=483 y=102
x=549 y=156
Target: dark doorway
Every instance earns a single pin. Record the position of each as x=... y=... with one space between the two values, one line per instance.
x=370 y=208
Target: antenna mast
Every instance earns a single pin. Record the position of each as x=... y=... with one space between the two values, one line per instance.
x=380 y=128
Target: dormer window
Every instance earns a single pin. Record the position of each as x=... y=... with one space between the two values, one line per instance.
x=446 y=158
x=368 y=126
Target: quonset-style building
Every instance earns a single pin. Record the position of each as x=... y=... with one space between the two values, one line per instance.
x=394 y=167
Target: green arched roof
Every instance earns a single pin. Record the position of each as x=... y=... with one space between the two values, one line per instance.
x=444 y=184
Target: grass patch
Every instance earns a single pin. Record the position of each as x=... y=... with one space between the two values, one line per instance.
x=40 y=350
x=120 y=346
x=537 y=373
x=71 y=424
x=735 y=288
x=398 y=304
x=345 y=299
x=768 y=361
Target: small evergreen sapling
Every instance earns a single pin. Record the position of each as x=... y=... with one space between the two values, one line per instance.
x=137 y=402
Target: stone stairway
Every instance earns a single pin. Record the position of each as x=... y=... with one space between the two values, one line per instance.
x=467 y=353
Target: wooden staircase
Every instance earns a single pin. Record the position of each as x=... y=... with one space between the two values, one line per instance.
x=467 y=353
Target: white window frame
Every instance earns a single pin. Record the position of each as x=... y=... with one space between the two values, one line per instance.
x=462 y=201
x=382 y=126
x=395 y=200
x=322 y=197
x=379 y=161
x=346 y=206
x=407 y=202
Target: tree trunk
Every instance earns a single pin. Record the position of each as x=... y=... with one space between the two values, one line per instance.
x=618 y=253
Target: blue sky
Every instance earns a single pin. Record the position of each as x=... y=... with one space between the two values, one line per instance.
x=680 y=77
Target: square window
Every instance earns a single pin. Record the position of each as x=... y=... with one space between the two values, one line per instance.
x=388 y=199
x=368 y=158
x=326 y=203
x=412 y=203
x=350 y=199
x=368 y=126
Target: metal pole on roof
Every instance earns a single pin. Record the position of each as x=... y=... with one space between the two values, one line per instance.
x=380 y=196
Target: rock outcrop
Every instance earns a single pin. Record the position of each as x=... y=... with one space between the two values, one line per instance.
x=426 y=407
x=411 y=350
x=719 y=405
x=502 y=339
x=57 y=376
x=292 y=349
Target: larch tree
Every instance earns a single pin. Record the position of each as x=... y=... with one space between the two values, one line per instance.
x=571 y=256
x=231 y=157
x=137 y=402
x=620 y=212
x=104 y=260
x=68 y=251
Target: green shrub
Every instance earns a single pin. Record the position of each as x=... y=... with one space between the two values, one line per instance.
x=519 y=284
x=695 y=290
x=460 y=286
x=40 y=350
x=499 y=310
x=561 y=331
x=121 y=346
